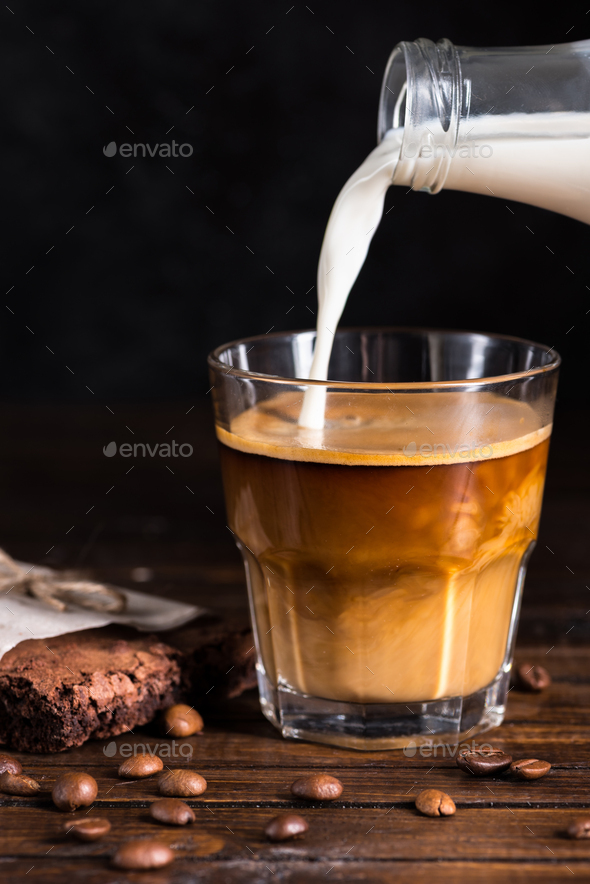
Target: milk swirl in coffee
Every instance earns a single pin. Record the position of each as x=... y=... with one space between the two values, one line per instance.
x=377 y=576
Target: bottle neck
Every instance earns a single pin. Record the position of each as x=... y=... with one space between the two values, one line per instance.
x=445 y=98
x=421 y=92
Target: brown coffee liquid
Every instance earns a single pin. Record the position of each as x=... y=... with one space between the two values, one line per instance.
x=380 y=576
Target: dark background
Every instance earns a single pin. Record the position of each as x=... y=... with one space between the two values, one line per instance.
x=134 y=280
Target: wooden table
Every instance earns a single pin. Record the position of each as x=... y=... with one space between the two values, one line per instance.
x=504 y=830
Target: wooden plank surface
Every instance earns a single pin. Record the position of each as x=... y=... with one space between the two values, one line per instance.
x=504 y=829
x=334 y=834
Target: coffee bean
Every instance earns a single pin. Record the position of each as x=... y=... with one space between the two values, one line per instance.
x=181 y=721
x=142 y=855
x=18 y=784
x=530 y=768
x=12 y=765
x=286 y=826
x=318 y=787
x=532 y=678
x=579 y=828
x=89 y=828
x=140 y=766
x=172 y=811
x=432 y=802
x=73 y=790
x=483 y=762
x=182 y=783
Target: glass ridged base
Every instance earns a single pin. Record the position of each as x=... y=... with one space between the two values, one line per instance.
x=383 y=725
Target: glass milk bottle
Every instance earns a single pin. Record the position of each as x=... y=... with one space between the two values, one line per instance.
x=507 y=122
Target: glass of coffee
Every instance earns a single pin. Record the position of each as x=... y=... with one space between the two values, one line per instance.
x=385 y=554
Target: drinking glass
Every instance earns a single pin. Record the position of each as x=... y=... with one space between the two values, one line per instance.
x=385 y=554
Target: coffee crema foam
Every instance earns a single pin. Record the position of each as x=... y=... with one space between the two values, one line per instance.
x=419 y=429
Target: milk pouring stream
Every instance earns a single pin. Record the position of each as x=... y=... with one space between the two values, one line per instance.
x=469 y=119
x=354 y=219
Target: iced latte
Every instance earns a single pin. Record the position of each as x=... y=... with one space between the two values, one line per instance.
x=379 y=576
x=385 y=552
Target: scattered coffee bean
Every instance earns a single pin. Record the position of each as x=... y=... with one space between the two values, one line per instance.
x=318 y=787
x=182 y=783
x=483 y=762
x=142 y=855
x=432 y=802
x=73 y=790
x=12 y=765
x=18 y=784
x=89 y=828
x=140 y=766
x=579 y=828
x=530 y=768
x=181 y=721
x=532 y=678
x=286 y=826
x=172 y=811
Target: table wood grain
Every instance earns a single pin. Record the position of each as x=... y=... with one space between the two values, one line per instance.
x=171 y=521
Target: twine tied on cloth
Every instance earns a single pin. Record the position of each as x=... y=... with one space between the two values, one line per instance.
x=52 y=588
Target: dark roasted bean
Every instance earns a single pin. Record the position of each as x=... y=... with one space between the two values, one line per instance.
x=88 y=828
x=317 y=787
x=182 y=783
x=530 y=768
x=483 y=762
x=139 y=766
x=285 y=827
x=12 y=765
x=579 y=828
x=172 y=811
x=18 y=784
x=73 y=790
x=181 y=721
x=532 y=678
x=142 y=855
x=432 y=802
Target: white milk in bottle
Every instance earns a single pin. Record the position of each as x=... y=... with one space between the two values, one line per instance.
x=468 y=119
